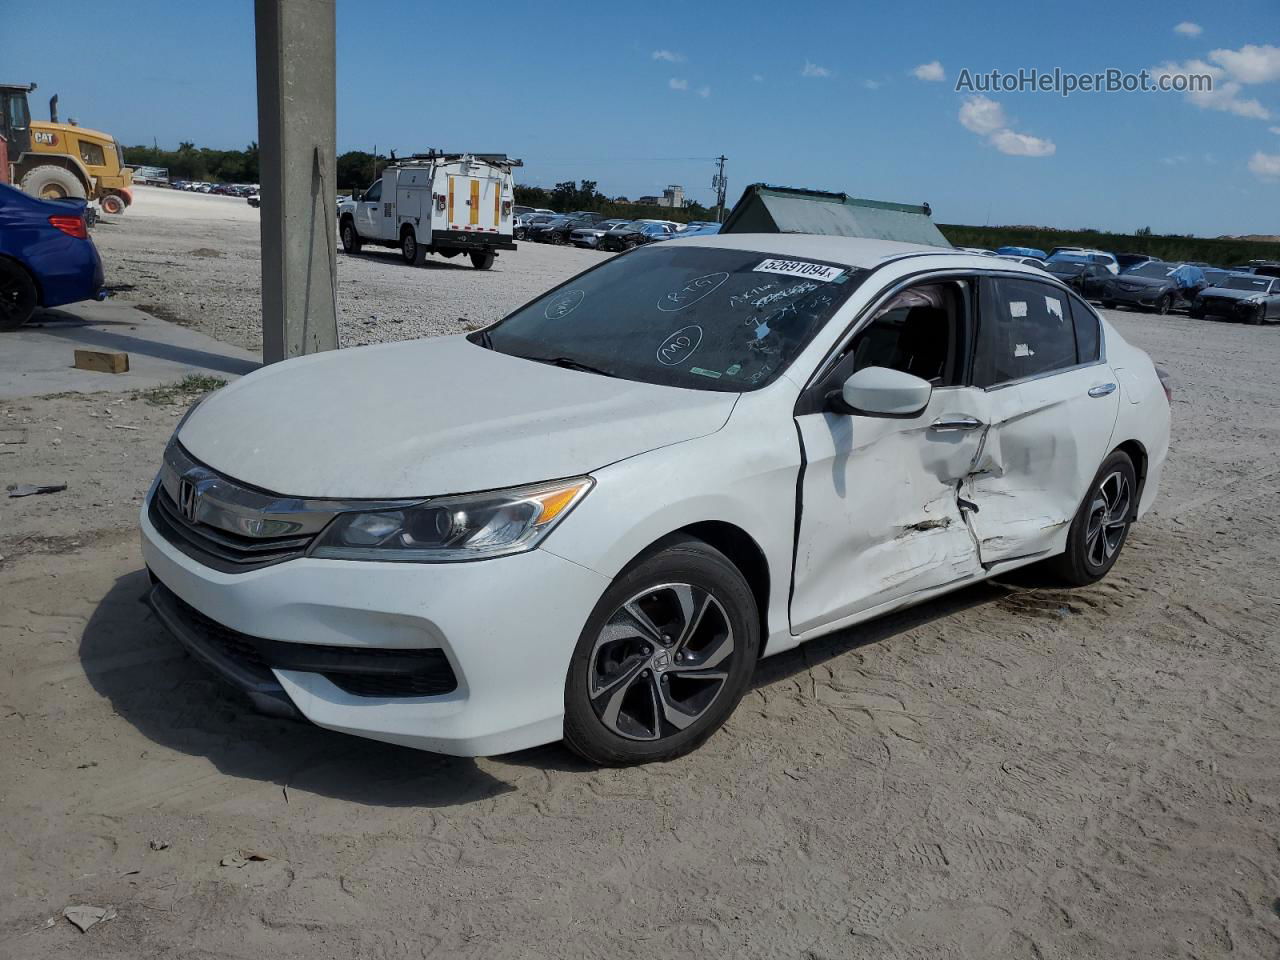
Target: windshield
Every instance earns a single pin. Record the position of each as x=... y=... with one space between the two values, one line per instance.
x=1246 y=283
x=1215 y=277
x=1152 y=268
x=1069 y=258
x=697 y=317
x=1065 y=266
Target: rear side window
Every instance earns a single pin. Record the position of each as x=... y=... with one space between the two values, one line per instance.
x=1088 y=332
x=1025 y=330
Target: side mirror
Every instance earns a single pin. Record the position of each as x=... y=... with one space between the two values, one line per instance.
x=357 y=195
x=881 y=392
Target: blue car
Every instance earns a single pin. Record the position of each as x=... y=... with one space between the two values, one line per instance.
x=46 y=256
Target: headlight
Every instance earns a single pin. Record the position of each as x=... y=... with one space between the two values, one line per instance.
x=448 y=529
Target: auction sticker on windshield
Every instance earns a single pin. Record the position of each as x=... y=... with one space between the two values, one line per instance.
x=800 y=268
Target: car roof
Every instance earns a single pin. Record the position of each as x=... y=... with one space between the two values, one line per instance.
x=850 y=251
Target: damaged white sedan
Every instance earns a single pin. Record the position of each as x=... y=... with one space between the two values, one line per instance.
x=590 y=520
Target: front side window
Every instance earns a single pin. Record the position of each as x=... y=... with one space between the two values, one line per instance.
x=92 y=154
x=918 y=331
x=697 y=317
x=374 y=193
x=1025 y=330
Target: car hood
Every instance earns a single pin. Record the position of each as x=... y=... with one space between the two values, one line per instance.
x=1229 y=293
x=431 y=417
x=1135 y=282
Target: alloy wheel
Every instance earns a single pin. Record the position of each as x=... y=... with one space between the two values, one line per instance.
x=660 y=661
x=1108 y=518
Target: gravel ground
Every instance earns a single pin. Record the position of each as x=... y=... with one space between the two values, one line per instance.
x=193 y=259
x=1011 y=771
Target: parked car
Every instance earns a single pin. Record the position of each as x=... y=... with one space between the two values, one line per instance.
x=1033 y=253
x=560 y=230
x=635 y=234
x=1128 y=260
x=525 y=223
x=1080 y=273
x=698 y=230
x=980 y=251
x=1029 y=261
x=1154 y=285
x=255 y=200
x=547 y=230
x=1248 y=297
x=47 y=258
x=589 y=235
x=701 y=453
x=1107 y=260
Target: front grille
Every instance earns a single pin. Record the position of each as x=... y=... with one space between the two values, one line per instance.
x=361 y=671
x=221 y=549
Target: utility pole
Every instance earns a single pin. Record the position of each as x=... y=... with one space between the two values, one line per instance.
x=719 y=184
x=297 y=134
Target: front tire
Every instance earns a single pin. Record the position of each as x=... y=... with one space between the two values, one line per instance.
x=112 y=205
x=663 y=659
x=17 y=295
x=1101 y=525
x=1164 y=304
x=351 y=242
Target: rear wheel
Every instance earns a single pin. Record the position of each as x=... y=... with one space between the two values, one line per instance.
x=663 y=659
x=412 y=251
x=52 y=183
x=350 y=239
x=482 y=260
x=1101 y=525
x=17 y=296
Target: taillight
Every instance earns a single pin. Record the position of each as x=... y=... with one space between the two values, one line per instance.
x=71 y=226
x=1163 y=374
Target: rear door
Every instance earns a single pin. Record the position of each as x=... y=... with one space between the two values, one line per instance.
x=1052 y=406
x=474 y=199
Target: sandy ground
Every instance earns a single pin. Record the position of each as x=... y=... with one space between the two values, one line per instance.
x=193 y=258
x=1013 y=771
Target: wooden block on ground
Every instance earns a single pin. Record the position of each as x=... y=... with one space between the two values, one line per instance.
x=102 y=361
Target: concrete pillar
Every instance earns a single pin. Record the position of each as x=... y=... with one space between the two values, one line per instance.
x=297 y=134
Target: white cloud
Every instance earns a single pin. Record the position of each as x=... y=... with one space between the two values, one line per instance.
x=1274 y=129
x=1251 y=63
x=982 y=115
x=670 y=56
x=931 y=71
x=1265 y=165
x=1174 y=160
x=872 y=84
x=758 y=78
x=985 y=117
x=1189 y=29
x=676 y=83
x=811 y=69
x=1225 y=94
x=704 y=92
x=1022 y=144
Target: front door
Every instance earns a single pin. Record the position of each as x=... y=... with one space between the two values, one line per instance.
x=881 y=515
x=369 y=212
x=1052 y=407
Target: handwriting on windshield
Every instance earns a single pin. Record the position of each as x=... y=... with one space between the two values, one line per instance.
x=563 y=304
x=804 y=286
x=692 y=292
x=679 y=347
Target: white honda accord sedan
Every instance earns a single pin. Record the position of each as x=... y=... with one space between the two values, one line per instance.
x=591 y=519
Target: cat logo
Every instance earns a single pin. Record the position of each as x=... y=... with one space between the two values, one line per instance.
x=46 y=137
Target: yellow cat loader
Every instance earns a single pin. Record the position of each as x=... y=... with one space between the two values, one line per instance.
x=53 y=160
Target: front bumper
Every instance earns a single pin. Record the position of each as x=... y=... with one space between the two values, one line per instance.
x=506 y=627
x=1232 y=309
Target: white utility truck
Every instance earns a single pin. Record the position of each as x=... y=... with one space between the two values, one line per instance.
x=445 y=203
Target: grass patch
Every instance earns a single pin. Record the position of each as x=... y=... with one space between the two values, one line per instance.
x=181 y=392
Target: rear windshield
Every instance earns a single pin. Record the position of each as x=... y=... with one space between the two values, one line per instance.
x=1246 y=283
x=697 y=317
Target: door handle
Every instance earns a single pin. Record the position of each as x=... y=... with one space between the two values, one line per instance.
x=952 y=423
x=1102 y=390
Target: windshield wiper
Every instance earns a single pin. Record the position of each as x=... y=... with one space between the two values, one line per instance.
x=483 y=339
x=571 y=364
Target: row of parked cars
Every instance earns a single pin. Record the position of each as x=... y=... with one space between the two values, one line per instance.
x=1246 y=292
x=220 y=189
x=582 y=228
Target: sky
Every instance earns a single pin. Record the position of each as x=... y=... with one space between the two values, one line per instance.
x=854 y=97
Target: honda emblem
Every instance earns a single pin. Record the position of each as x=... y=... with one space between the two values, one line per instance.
x=188 y=499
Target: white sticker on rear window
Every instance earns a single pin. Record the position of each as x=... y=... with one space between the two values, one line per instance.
x=1054 y=306
x=800 y=268
x=1022 y=350
x=1017 y=308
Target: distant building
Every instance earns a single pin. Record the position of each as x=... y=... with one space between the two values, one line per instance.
x=673 y=196
x=649 y=201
